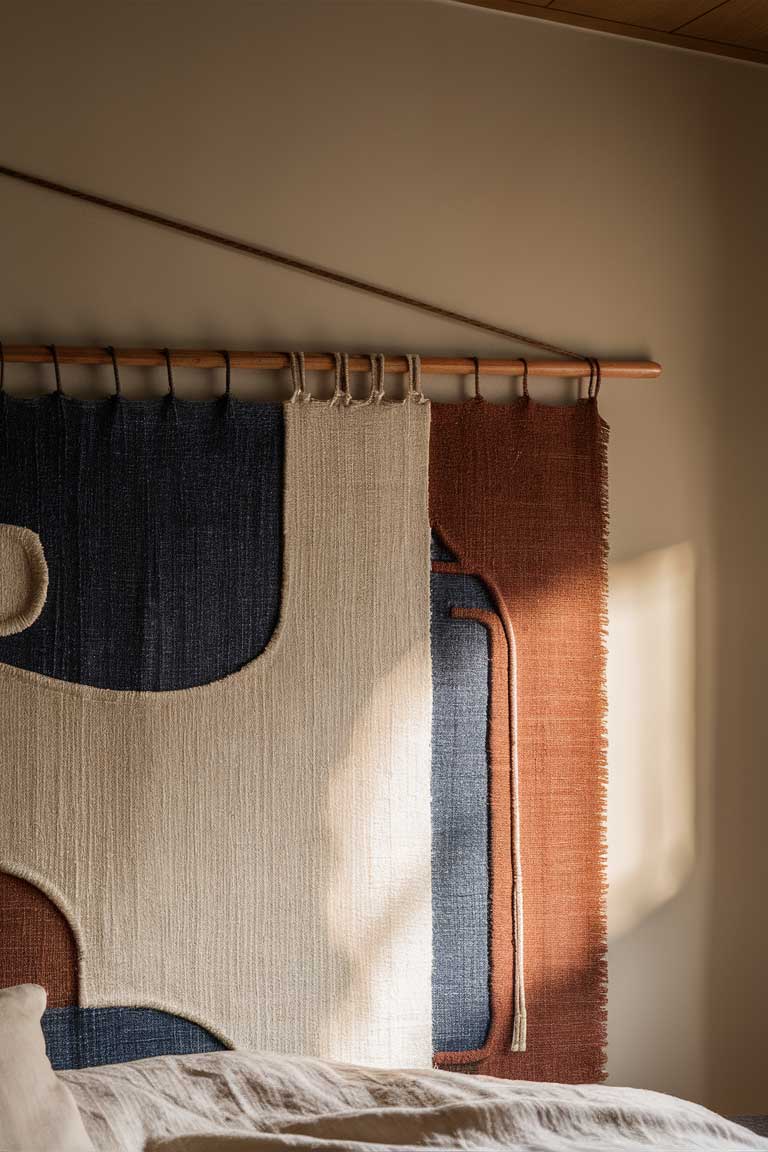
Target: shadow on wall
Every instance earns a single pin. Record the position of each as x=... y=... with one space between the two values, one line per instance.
x=651 y=798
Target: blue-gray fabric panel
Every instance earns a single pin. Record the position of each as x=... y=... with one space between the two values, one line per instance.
x=86 y=1037
x=161 y=525
x=460 y=870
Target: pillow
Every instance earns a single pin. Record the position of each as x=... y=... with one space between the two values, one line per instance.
x=37 y=1111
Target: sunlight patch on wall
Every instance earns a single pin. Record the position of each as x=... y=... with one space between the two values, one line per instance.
x=650 y=733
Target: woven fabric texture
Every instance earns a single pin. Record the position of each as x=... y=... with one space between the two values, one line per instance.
x=36 y=942
x=254 y=854
x=23 y=578
x=161 y=525
x=518 y=495
x=460 y=832
x=90 y=1037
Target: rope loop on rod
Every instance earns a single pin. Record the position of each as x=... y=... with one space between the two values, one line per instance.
x=56 y=370
x=116 y=370
x=169 y=371
x=338 y=390
x=372 y=383
x=171 y=394
x=478 y=394
x=526 y=393
x=414 y=380
x=299 y=394
x=595 y=377
x=346 y=381
x=227 y=397
x=591 y=363
x=227 y=375
x=379 y=384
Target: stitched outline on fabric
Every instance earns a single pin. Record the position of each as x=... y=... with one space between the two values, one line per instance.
x=502 y=735
x=31 y=545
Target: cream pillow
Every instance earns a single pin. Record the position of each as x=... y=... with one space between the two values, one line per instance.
x=37 y=1111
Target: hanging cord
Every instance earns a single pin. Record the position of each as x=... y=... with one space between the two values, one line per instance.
x=227 y=375
x=169 y=370
x=57 y=370
x=595 y=375
x=171 y=394
x=414 y=391
x=341 y=393
x=118 y=396
x=3 y=398
x=346 y=381
x=369 y=399
x=285 y=261
x=478 y=395
x=372 y=386
x=300 y=395
x=378 y=391
x=116 y=370
x=526 y=393
x=519 y=1039
x=336 y=398
x=227 y=397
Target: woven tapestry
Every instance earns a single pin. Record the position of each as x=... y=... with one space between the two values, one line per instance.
x=216 y=737
x=518 y=510
x=303 y=729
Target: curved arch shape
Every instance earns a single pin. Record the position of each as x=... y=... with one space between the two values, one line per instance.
x=86 y=1037
x=39 y=942
x=502 y=619
x=23 y=578
x=22 y=889
x=165 y=575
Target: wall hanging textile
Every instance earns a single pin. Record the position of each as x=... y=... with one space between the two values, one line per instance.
x=183 y=605
x=250 y=851
x=518 y=498
x=151 y=694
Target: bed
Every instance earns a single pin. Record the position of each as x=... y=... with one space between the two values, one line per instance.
x=244 y=1101
x=238 y=1101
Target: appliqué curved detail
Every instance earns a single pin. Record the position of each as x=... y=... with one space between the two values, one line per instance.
x=23 y=578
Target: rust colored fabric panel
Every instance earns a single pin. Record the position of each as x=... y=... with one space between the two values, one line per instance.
x=518 y=493
x=38 y=944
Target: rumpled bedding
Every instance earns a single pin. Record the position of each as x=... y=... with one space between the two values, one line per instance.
x=244 y=1102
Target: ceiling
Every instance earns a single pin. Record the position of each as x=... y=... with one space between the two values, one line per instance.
x=736 y=28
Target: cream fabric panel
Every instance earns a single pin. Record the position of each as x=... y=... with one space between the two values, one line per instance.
x=254 y=854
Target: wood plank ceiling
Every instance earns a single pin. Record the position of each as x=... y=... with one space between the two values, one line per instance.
x=737 y=28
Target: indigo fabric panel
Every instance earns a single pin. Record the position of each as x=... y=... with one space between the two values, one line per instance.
x=86 y=1037
x=460 y=869
x=160 y=521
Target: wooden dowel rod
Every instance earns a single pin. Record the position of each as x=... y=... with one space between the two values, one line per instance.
x=323 y=362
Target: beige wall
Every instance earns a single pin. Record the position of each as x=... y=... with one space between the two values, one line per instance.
x=603 y=193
